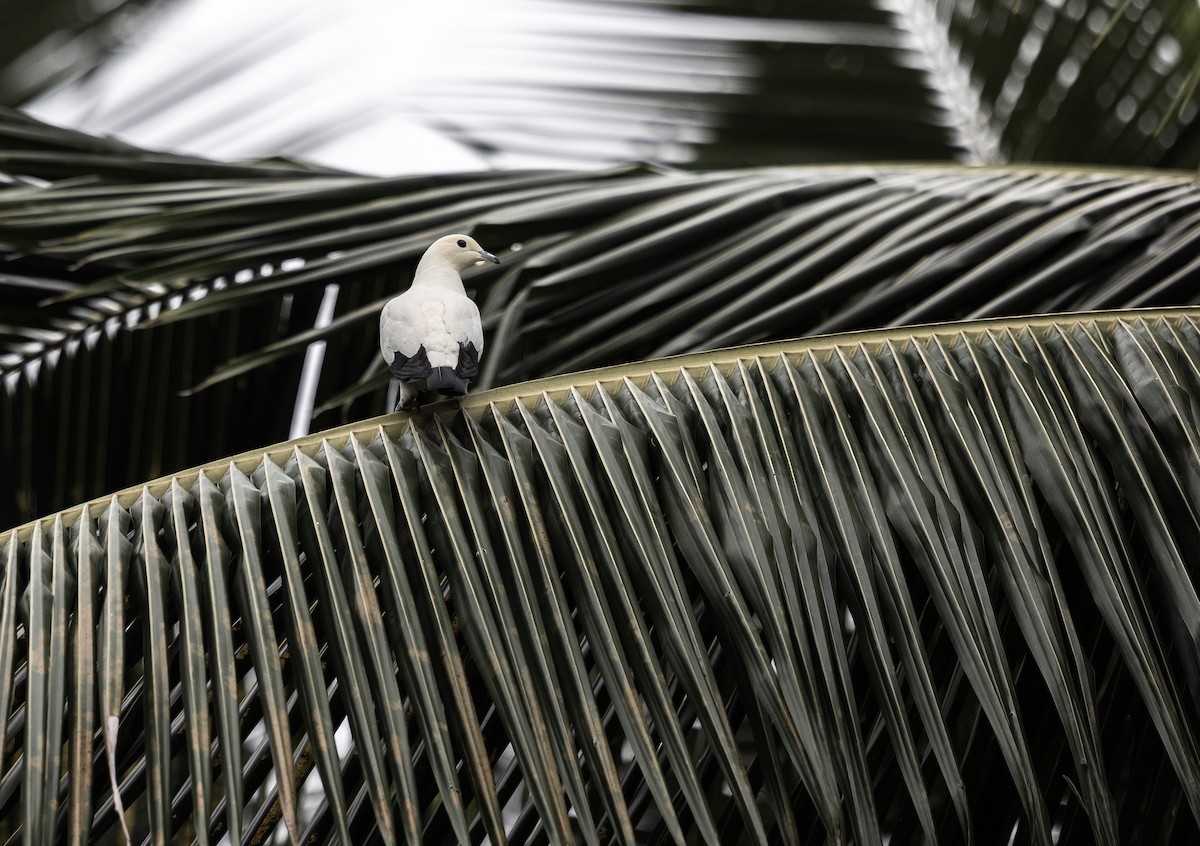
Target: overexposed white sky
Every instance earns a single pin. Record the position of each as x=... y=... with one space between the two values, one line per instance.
x=383 y=87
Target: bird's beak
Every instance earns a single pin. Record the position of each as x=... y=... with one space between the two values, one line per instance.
x=484 y=254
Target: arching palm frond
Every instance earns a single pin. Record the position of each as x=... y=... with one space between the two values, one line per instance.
x=214 y=278
x=892 y=585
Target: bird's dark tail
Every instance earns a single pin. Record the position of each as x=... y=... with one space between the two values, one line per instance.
x=445 y=380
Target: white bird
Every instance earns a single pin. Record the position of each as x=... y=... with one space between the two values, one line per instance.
x=431 y=336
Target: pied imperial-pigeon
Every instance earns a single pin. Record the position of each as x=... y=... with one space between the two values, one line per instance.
x=431 y=336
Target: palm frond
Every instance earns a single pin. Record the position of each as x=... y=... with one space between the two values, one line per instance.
x=217 y=280
x=58 y=41
x=907 y=583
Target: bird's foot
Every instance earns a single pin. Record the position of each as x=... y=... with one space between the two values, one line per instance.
x=413 y=403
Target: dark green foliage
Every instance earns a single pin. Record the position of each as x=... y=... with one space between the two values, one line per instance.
x=916 y=585
x=926 y=584
x=615 y=267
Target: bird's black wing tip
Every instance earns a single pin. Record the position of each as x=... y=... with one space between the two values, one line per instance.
x=411 y=368
x=468 y=361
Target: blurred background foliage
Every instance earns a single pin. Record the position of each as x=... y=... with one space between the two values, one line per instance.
x=727 y=83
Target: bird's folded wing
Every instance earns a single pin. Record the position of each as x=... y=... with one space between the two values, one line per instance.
x=468 y=331
x=401 y=329
x=462 y=321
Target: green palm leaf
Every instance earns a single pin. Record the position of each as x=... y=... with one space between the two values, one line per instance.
x=748 y=569
x=920 y=585
x=615 y=266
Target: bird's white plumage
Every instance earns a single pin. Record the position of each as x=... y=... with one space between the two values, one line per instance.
x=434 y=314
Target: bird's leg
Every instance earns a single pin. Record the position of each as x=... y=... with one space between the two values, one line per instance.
x=409 y=398
x=393 y=396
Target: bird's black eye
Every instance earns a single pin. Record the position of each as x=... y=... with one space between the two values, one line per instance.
x=461 y=242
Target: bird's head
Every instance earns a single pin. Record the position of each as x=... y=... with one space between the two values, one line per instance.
x=458 y=251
